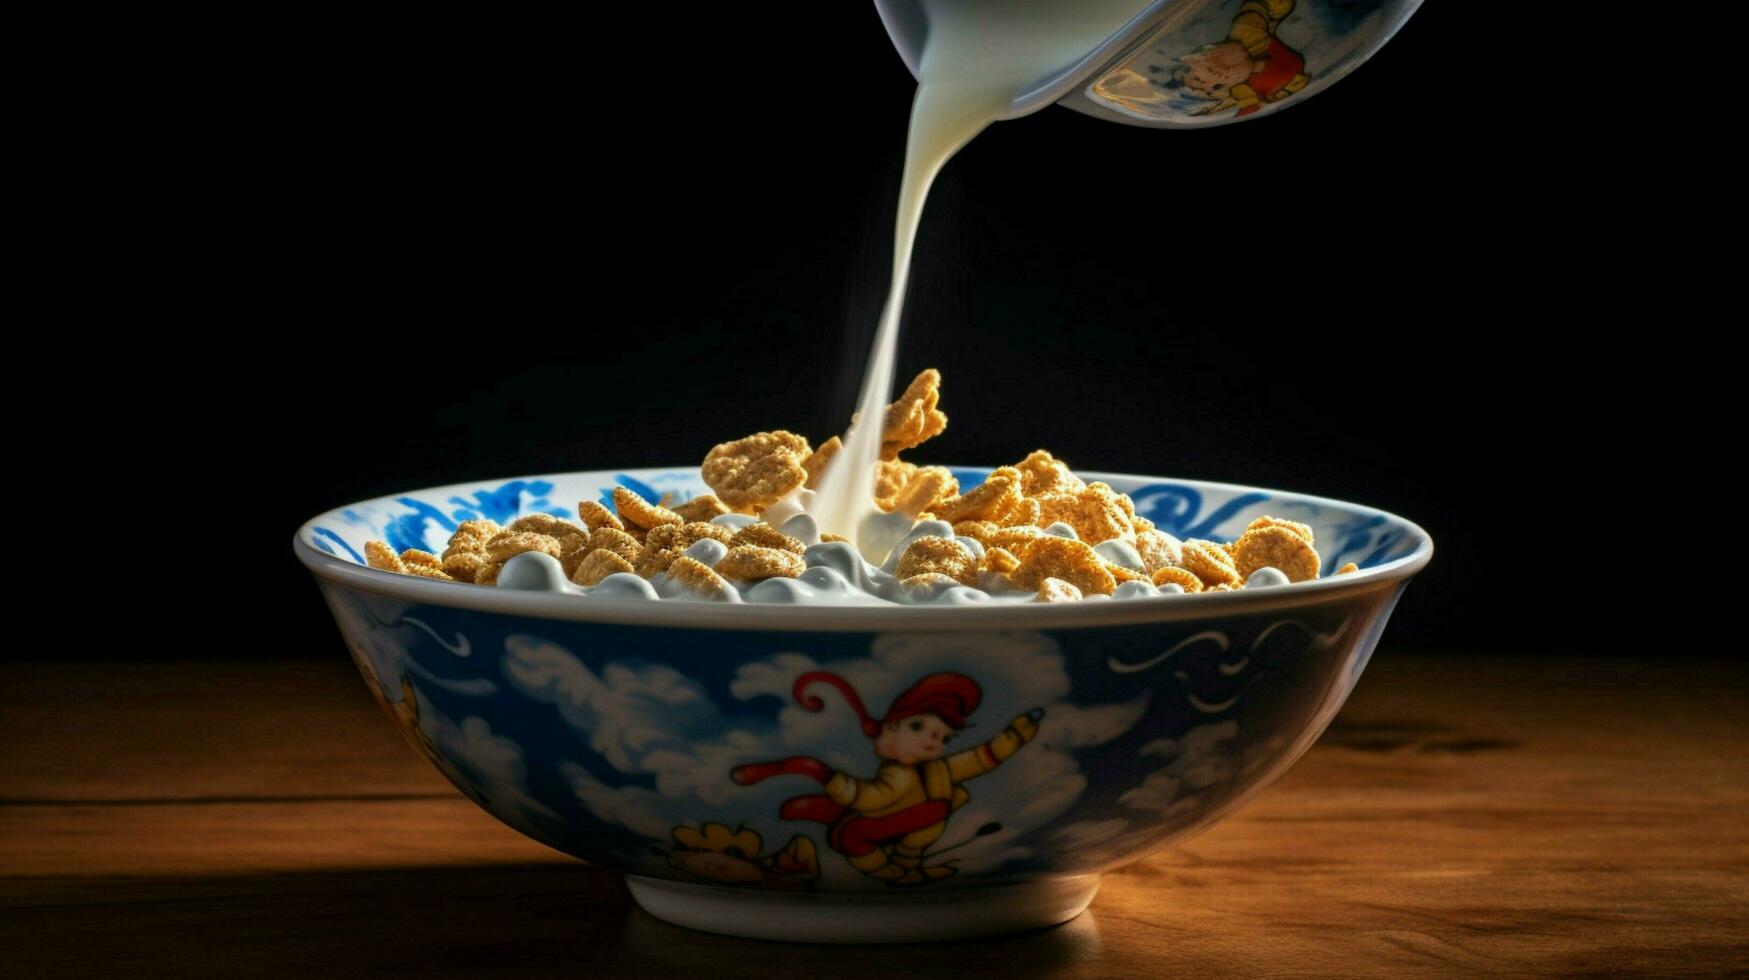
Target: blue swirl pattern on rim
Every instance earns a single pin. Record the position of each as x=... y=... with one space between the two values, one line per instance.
x=425 y=521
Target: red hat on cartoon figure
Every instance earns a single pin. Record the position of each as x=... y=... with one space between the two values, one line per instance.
x=950 y=697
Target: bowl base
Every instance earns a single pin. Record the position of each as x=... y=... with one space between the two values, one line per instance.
x=904 y=917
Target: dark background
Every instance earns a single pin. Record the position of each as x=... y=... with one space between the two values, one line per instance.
x=402 y=252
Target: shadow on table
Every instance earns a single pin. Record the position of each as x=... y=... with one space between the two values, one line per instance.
x=435 y=922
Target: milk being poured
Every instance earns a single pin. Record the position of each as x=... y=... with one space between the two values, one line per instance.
x=978 y=55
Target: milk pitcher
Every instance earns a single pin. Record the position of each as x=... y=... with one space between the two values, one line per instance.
x=1189 y=63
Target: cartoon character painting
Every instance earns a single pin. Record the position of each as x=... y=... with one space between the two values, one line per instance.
x=1251 y=68
x=731 y=857
x=885 y=825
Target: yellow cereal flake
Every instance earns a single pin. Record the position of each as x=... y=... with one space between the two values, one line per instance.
x=753 y=563
x=753 y=473
x=1279 y=547
x=464 y=566
x=424 y=559
x=597 y=565
x=547 y=524
x=695 y=531
x=683 y=536
x=1042 y=473
x=619 y=542
x=763 y=535
x=1347 y=567
x=1223 y=587
x=594 y=514
x=1093 y=511
x=1184 y=578
x=1209 y=562
x=1158 y=549
x=654 y=561
x=940 y=555
x=1072 y=561
x=377 y=554
x=1057 y=590
x=696 y=576
x=995 y=496
x=980 y=530
x=662 y=537
x=928 y=486
x=701 y=508
x=1124 y=574
x=507 y=544
x=488 y=573
x=1027 y=512
x=427 y=571
x=472 y=535
x=829 y=536
x=914 y=418
x=1016 y=540
x=1129 y=512
x=815 y=463
x=638 y=512
x=572 y=551
x=1303 y=530
x=891 y=476
x=1000 y=560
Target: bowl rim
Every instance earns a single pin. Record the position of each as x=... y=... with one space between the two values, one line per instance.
x=750 y=616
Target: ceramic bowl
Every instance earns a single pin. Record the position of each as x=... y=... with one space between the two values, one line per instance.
x=857 y=773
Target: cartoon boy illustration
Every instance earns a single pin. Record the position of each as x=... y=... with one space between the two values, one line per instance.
x=884 y=825
x=1248 y=70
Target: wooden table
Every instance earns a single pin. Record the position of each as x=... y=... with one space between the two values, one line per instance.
x=1464 y=815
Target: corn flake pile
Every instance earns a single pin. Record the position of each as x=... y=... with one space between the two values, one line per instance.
x=1032 y=528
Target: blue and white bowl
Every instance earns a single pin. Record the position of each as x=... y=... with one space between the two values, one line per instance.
x=620 y=730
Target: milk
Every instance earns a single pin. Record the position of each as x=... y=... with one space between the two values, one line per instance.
x=978 y=55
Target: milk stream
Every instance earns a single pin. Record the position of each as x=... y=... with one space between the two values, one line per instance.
x=978 y=55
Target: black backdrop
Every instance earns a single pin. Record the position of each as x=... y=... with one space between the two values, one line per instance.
x=416 y=251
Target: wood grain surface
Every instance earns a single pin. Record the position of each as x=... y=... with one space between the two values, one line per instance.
x=1465 y=815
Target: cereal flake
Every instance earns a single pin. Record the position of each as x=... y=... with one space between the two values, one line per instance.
x=753 y=563
x=1209 y=562
x=765 y=536
x=638 y=512
x=753 y=473
x=594 y=514
x=378 y=554
x=1279 y=547
x=1057 y=590
x=695 y=576
x=914 y=418
x=597 y=565
x=1042 y=473
x=944 y=556
x=701 y=508
x=1074 y=562
x=1184 y=578
x=1001 y=561
x=507 y=544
